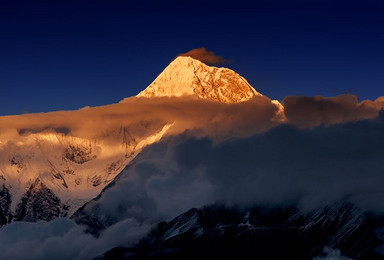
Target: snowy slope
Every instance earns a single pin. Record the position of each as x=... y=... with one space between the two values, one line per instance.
x=187 y=76
x=73 y=169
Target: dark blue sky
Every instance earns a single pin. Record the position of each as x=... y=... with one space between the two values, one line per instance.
x=61 y=55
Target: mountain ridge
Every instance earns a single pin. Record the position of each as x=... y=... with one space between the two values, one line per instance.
x=217 y=231
x=187 y=76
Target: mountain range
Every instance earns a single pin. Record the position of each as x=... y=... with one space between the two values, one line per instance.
x=179 y=157
x=76 y=169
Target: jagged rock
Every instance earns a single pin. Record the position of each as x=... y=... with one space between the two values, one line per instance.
x=79 y=154
x=39 y=203
x=91 y=216
x=5 y=204
x=92 y=222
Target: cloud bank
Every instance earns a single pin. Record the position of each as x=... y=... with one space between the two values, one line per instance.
x=63 y=239
x=282 y=166
x=142 y=117
x=234 y=153
x=318 y=110
x=286 y=166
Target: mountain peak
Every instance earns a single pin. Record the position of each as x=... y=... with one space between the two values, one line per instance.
x=186 y=76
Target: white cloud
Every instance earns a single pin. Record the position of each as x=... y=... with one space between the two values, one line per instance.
x=332 y=254
x=63 y=239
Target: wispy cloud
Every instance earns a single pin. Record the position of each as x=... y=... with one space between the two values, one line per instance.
x=203 y=55
x=63 y=239
x=318 y=110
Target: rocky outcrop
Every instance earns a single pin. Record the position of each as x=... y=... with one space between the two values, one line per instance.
x=39 y=203
x=5 y=206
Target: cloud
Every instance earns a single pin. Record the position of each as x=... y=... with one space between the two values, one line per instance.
x=59 y=130
x=282 y=166
x=317 y=110
x=332 y=254
x=63 y=239
x=203 y=55
x=237 y=153
x=286 y=166
x=143 y=117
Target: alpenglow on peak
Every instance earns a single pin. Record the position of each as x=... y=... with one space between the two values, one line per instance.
x=186 y=76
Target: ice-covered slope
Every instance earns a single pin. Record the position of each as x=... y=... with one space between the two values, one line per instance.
x=187 y=76
x=68 y=170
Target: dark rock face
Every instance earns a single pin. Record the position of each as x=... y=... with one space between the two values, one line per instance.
x=216 y=232
x=79 y=153
x=91 y=220
x=39 y=203
x=5 y=204
x=91 y=217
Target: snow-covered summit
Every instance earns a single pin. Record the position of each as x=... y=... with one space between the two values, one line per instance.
x=187 y=76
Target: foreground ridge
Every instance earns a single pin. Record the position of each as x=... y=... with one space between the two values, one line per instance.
x=257 y=233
